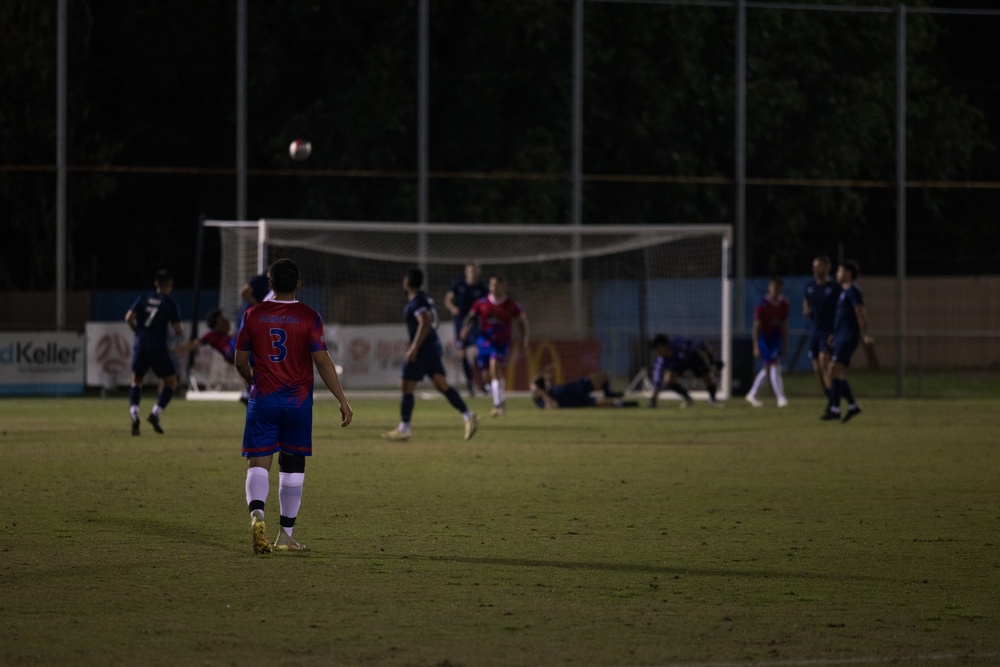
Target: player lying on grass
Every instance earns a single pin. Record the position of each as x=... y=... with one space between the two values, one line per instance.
x=576 y=394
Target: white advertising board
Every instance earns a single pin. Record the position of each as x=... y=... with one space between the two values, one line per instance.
x=41 y=363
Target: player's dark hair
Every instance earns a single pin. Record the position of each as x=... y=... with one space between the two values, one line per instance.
x=851 y=266
x=415 y=278
x=660 y=339
x=825 y=259
x=540 y=383
x=776 y=279
x=213 y=318
x=163 y=277
x=284 y=275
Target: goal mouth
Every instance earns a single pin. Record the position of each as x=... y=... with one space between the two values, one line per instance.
x=594 y=294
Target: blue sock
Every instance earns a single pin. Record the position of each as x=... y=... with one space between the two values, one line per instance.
x=134 y=395
x=845 y=391
x=835 y=395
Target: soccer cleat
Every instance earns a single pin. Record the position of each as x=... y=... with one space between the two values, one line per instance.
x=471 y=427
x=754 y=401
x=830 y=415
x=498 y=411
x=851 y=412
x=285 y=542
x=155 y=421
x=258 y=533
x=396 y=435
x=782 y=402
x=135 y=426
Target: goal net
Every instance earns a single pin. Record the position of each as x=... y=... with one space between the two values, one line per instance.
x=594 y=296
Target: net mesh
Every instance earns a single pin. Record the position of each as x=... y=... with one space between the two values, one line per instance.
x=594 y=296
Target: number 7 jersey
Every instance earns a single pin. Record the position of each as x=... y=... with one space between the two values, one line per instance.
x=281 y=336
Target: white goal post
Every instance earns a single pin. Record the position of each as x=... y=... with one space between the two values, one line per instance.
x=594 y=294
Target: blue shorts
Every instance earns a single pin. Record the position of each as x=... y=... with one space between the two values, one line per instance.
x=277 y=427
x=158 y=359
x=489 y=350
x=843 y=349
x=770 y=348
x=427 y=364
x=818 y=343
x=574 y=394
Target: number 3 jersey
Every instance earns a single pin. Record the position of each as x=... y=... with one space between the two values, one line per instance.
x=281 y=336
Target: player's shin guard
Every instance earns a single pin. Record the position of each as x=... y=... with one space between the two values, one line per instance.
x=256 y=488
x=289 y=496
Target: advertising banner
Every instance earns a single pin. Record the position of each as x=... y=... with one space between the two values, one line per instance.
x=41 y=363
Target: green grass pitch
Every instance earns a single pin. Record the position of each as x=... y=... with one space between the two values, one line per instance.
x=697 y=537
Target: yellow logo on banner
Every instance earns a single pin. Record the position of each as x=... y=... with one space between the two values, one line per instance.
x=535 y=361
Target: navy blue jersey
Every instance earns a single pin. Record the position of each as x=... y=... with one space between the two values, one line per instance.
x=822 y=300
x=154 y=315
x=686 y=354
x=845 y=323
x=418 y=304
x=464 y=295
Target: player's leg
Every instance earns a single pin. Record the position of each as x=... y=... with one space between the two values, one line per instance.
x=406 y=405
x=762 y=374
x=260 y=441
x=498 y=383
x=139 y=369
x=164 y=368
x=672 y=381
x=291 y=475
x=441 y=384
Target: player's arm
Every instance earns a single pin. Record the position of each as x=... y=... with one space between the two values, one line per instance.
x=242 y=362
x=187 y=346
x=246 y=293
x=423 y=330
x=784 y=336
x=862 y=315
x=467 y=322
x=806 y=310
x=328 y=371
x=522 y=325
x=449 y=303
x=538 y=391
x=130 y=319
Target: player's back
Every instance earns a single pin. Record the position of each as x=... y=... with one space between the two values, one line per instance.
x=154 y=312
x=282 y=335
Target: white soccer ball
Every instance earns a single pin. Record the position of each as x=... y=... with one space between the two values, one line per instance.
x=300 y=149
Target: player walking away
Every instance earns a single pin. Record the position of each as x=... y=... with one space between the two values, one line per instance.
x=423 y=358
x=677 y=356
x=850 y=327
x=770 y=340
x=151 y=316
x=286 y=339
x=495 y=315
x=577 y=394
x=465 y=291
x=819 y=305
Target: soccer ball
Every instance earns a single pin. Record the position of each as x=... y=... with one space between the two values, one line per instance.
x=299 y=149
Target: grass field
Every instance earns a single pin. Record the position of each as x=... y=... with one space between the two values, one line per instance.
x=692 y=537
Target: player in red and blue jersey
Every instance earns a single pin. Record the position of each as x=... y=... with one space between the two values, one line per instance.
x=219 y=339
x=465 y=291
x=151 y=316
x=850 y=328
x=423 y=358
x=677 y=356
x=495 y=315
x=285 y=338
x=819 y=304
x=770 y=340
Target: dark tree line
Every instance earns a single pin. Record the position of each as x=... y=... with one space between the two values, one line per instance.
x=152 y=125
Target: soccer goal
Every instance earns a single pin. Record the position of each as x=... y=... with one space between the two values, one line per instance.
x=594 y=295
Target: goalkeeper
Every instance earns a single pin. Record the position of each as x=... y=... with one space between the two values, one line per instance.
x=676 y=356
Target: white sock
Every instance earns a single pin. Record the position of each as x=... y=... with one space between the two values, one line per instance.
x=776 y=382
x=757 y=381
x=134 y=411
x=497 y=393
x=290 y=494
x=257 y=484
x=404 y=427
